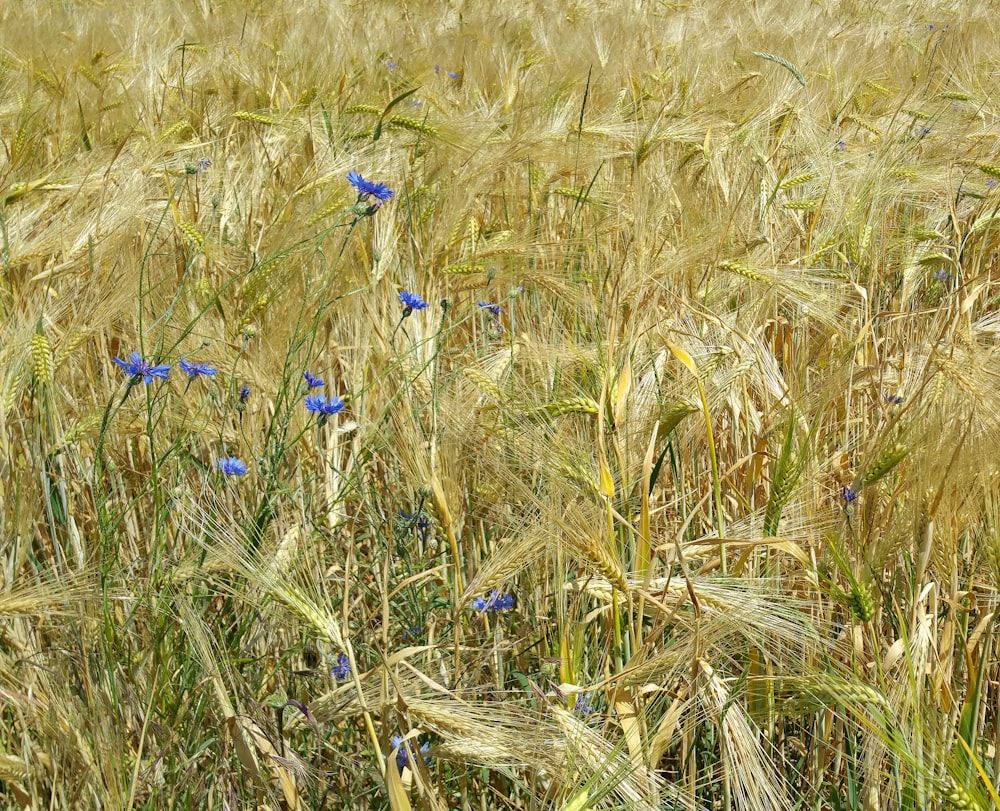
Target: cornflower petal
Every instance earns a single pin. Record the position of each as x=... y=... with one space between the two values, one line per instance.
x=412 y=301
x=231 y=466
x=493 y=309
x=342 y=669
x=197 y=369
x=136 y=366
x=367 y=188
x=318 y=404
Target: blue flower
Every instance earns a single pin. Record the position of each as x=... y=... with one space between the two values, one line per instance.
x=453 y=75
x=411 y=301
x=197 y=369
x=342 y=669
x=582 y=706
x=314 y=382
x=403 y=755
x=365 y=188
x=493 y=309
x=231 y=466
x=244 y=394
x=893 y=399
x=847 y=495
x=318 y=404
x=942 y=275
x=420 y=520
x=493 y=602
x=137 y=367
x=392 y=64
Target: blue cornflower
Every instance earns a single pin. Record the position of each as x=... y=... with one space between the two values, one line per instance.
x=231 y=466
x=840 y=145
x=313 y=381
x=392 y=64
x=420 y=520
x=493 y=309
x=942 y=275
x=848 y=495
x=411 y=302
x=453 y=75
x=365 y=188
x=342 y=669
x=582 y=706
x=403 y=755
x=318 y=404
x=197 y=369
x=137 y=367
x=244 y=394
x=493 y=602
x=893 y=399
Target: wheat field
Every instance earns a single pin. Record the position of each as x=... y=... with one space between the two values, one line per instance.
x=522 y=405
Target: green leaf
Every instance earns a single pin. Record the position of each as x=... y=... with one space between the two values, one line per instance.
x=378 y=127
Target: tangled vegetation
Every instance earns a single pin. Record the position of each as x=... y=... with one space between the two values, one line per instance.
x=499 y=405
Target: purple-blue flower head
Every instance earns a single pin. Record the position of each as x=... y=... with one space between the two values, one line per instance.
x=420 y=518
x=582 y=706
x=411 y=301
x=342 y=668
x=493 y=309
x=848 y=495
x=493 y=602
x=403 y=755
x=136 y=366
x=367 y=188
x=244 y=394
x=231 y=466
x=313 y=381
x=318 y=404
x=197 y=369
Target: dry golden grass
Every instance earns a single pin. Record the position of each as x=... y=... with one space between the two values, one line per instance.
x=707 y=383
